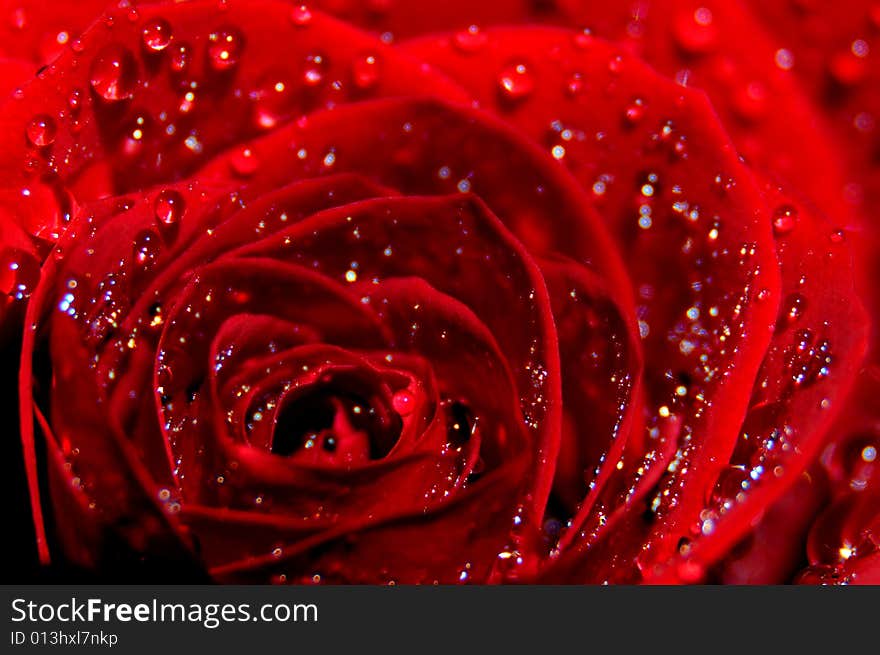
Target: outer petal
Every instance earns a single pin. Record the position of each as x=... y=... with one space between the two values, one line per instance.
x=689 y=215
x=116 y=113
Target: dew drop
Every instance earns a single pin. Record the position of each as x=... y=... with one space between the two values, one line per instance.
x=181 y=56
x=156 y=35
x=575 y=85
x=784 y=219
x=113 y=74
x=731 y=486
x=244 y=162
x=273 y=101
x=634 y=112
x=857 y=458
x=313 y=73
x=145 y=248
x=516 y=82
x=470 y=40
x=583 y=39
x=821 y=574
x=19 y=273
x=41 y=130
x=793 y=308
x=723 y=183
x=403 y=402
x=301 y=15
x=680 y=147
x=508 y=562
x=365 y=72
x=807 y=359
x=837 y=236
x=695 y=31
x=460 y=422
x=74 y=101
x=615 y=65
x=224 y=48
x=169 y=207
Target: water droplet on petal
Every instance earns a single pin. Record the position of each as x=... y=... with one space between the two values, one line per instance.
x=243 y=162
x=224 y=48
x=793 y=308
x=74 y=101
x=731 y=486
x=784 y=219
x=169 y=208
x=695 y=31
x=575 y=85
x=180 y=58
x=113 y=74
x=313 y=73
x=301 y=15
x=808 y=359
x=365 y=72
x=855 y=458
x=634 y=112
x=403 y=402
x=470 y=40
x=273 y=101
x=41 y=130
x=583 y=39
x=723 y=183
x=516 y=82
x=156 y=35
x=821 y=574
x=19 y=273
x=145 y=248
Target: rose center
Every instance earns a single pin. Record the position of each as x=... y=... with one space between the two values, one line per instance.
x=339 y=420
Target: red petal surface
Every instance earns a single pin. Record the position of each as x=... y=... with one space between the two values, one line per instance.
x=690 y=198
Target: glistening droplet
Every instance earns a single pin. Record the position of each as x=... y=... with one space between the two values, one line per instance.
x=365 y=72
x=169 y=208
x=784 y=219
x=224 y=48
x=19 y=273
x=113 y=74
x=470 y=40
x=156 y=35
x=301 y=15
x=403 y=402
x=145 y=248
x=41 y=130
x=515 y=82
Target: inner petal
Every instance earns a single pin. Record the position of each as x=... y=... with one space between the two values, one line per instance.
x=344 y=419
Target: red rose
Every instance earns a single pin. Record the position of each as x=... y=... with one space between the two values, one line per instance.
x=303 y=303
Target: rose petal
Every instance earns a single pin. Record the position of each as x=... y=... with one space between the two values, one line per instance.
x=114 y=115
x=706 y=328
